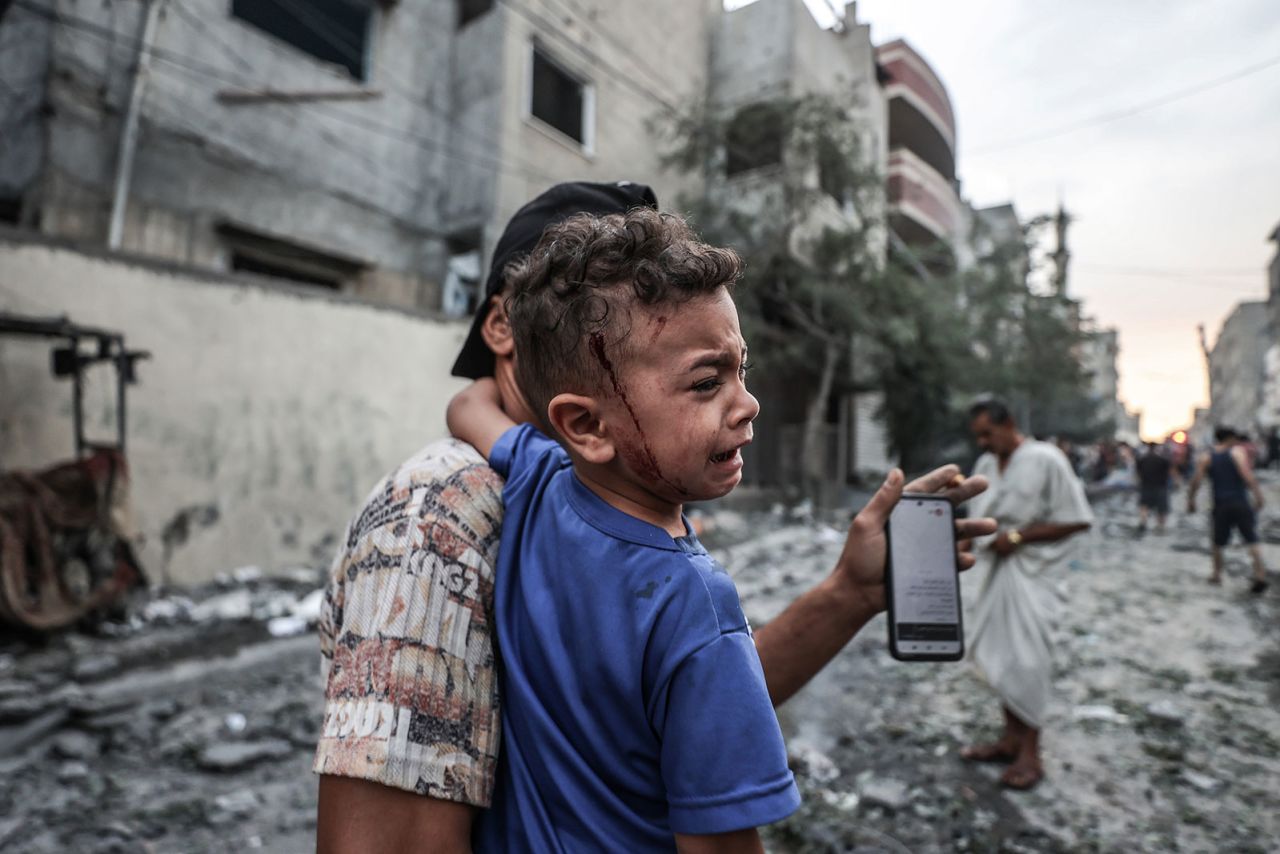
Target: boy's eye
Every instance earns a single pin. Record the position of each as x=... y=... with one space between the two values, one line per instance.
x=710 y=384
x=744 y=367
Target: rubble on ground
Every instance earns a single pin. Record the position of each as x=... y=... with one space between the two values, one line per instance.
x=189 y=724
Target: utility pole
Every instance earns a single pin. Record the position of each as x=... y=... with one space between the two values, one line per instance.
x=1061 y=255
x=129 y=129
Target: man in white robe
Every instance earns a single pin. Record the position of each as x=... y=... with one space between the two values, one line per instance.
x=1038 y=503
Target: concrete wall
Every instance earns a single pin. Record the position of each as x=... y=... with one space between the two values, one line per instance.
x=362 y=179
x=24 y=62
x=263 y=418
x=642 y=61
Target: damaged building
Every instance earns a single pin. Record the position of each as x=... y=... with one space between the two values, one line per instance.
x=373 y=148
x=291 y=203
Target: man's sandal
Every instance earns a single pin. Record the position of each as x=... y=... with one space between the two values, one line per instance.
x=988 y=753
x=1021 y=779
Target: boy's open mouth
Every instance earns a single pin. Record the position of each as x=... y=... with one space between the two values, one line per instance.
x=726 y=456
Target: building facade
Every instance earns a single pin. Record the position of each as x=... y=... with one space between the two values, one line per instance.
x=1237 y=368
x=1269 y=416
x=374 y=148
x=923 y=192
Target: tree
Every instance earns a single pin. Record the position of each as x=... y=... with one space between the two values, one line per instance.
x=830 y=292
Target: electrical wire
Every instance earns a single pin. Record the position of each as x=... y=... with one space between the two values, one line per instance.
x=1128 y=112
x=203 y=72
x=1173 y=272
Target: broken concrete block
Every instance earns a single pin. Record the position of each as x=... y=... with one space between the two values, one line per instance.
x=238 y=755
x=885 y=792
x=75 y=744
x=1164 y=713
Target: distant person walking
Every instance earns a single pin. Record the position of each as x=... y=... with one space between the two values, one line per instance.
x=1231 y=472
x=1154 y=469
x=1038 y=502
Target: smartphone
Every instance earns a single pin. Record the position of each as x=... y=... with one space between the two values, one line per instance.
x=922 y=581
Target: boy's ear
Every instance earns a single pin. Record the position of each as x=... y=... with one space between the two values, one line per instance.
x=496 y=329
x=577 y=419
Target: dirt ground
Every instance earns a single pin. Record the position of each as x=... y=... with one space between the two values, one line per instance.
x=191 y=730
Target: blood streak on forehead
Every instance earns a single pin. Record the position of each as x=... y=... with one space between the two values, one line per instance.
x=657 y=324
x=641 y=459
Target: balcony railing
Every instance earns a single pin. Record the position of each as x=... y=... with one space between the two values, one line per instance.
x=916 y=191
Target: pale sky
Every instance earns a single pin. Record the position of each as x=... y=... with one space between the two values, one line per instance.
x=1173 y=204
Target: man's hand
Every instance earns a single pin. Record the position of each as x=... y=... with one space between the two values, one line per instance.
x=811 y=630
x=862 y=562
x=1002 y=545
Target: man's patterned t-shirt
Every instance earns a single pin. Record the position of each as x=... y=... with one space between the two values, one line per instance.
x=411 y=695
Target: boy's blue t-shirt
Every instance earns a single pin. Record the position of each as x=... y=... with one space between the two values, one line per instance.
x=634 y=705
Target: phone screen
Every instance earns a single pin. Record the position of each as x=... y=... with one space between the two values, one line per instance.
x=925 y=587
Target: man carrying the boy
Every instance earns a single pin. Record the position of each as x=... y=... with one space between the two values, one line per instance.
x=412 y=781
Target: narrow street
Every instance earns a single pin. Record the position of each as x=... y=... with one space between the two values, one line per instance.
x=192 y=730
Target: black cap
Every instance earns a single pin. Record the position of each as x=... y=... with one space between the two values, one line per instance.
x=523 y=233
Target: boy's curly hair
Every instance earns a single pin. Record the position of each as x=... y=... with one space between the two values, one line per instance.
x=571 y=297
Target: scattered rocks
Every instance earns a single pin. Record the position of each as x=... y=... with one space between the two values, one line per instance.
x=239 y=802
x=9 y=828
x=238 y=755
x=1164 y=713
x=94 y=667
x=813 y=763
x=1203 y=782
x=233 y=605
x=72 y=772
x=18 y=738
x=885 y=792
x=283 y=627
x=1168 y=751
x=75 y=744
x=1099 y=713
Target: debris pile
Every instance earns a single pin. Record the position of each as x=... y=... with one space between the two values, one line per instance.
x=189 y=724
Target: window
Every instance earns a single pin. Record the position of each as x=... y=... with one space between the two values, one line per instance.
x=469 y=10
x=462 y=280
x=559 y=99
x=335 y=31
x=753 y=139
x=250 y=252
x=10 y=210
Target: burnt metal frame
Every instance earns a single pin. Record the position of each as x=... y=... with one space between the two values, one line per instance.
x=70 y=361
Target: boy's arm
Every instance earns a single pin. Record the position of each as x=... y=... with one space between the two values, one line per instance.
x=475 y=416
x=736 y=842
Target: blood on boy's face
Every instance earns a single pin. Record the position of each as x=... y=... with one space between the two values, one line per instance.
x=678 y=404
